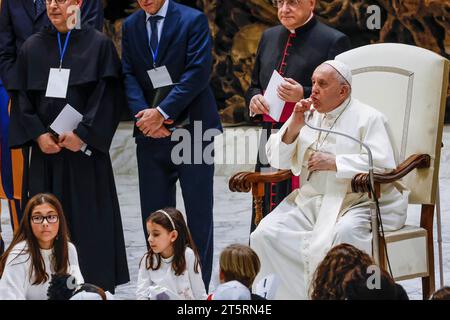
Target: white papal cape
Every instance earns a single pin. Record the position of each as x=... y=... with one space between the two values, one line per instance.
x=294 y=238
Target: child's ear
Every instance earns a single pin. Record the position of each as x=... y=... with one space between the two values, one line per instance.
x=174 y=235
x=221 y=276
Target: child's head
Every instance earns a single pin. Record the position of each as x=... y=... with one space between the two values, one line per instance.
x=239 y=262
x=168 y=236
x=43 y=222
x=43 y=226
x=355 y=285
x=441 y=294
x=163 y=234
x=333 y=270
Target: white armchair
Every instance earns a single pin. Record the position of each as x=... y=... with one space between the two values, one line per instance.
x=409 y=85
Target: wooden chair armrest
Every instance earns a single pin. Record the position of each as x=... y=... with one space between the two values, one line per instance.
x=243 y=181
x=254 y=181
x=360 y=182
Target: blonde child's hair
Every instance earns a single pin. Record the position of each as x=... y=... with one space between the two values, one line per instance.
x=239 y=262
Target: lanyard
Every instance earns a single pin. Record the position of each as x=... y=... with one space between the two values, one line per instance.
x=62 y=51
x=154 y=55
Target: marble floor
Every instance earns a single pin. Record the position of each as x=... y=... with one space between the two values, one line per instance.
x=232 y=212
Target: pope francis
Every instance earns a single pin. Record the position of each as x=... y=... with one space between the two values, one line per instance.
x=293 y=239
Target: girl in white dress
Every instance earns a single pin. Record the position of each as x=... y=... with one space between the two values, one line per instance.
x=170 y=269
x=40 y=248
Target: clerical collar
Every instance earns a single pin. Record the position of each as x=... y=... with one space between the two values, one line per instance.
x=304 y=24
x=337 y=111
x=162 y=11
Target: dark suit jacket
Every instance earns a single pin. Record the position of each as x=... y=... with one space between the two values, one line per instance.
x=17 y=23
x=185 y=49
x=313 y=44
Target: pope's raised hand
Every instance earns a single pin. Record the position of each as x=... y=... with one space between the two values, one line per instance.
x=298 y=115
x=297 y=120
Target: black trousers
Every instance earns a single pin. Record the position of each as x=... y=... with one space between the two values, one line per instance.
x=157 y=186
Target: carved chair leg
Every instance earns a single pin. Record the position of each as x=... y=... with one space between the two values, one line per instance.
x=426 y=222
x=258 y=195
x=258 y=209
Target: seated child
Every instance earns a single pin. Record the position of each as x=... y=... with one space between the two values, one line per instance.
x=40 y=246
x=170 y=269
x=239 y=266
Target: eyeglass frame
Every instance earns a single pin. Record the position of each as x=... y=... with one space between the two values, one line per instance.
x=58 y=2
x=275 y=3
x=44 y=218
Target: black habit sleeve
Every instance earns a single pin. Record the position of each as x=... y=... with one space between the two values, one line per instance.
x=31 y=122
x=104 y=106
x=25 y=124
x=102 y=115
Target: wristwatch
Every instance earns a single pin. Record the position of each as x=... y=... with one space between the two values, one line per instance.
x=85 y=149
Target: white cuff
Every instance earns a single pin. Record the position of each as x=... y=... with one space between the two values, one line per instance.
x=163 y=113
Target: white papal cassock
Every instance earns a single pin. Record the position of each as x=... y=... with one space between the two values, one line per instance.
x=294 y=238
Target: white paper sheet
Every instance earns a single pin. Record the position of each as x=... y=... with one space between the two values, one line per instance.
x=67 y=120
x=275 y=103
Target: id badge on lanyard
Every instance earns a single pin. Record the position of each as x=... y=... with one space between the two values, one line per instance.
x=58 y=80
x=159 y=76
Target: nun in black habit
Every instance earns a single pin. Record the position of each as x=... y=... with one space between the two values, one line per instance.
x=63 y=66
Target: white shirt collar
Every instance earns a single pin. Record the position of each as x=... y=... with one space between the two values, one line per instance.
x=167 y=260
x=162 y=12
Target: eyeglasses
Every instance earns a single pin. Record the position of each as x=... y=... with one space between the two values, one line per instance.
x=51 y=219
x=290 y=3
x=49 y=2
